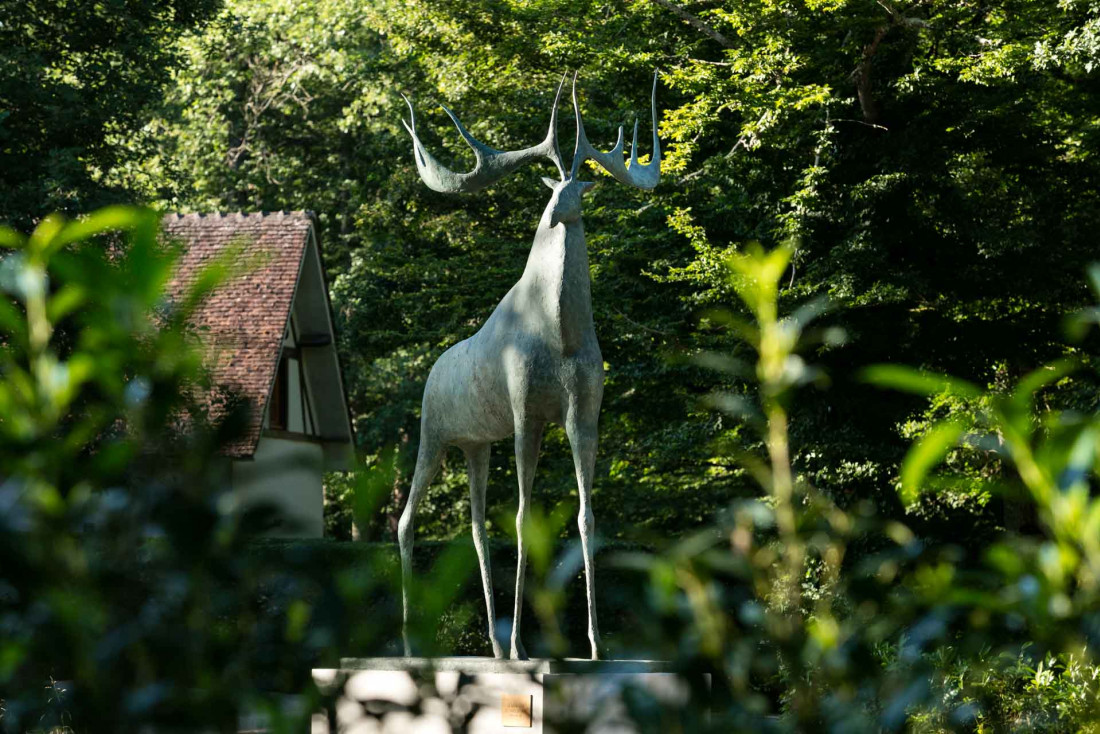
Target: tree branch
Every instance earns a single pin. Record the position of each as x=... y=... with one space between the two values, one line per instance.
x=862 y=73
x=695 y=22
x=643 y=327
x=863 y=77
x=861 y=122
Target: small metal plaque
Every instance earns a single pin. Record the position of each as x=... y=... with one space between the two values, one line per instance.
x=515 y=710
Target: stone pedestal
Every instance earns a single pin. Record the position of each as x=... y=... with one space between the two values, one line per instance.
x=497 y=696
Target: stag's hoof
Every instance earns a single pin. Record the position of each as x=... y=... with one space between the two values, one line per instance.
x=498 y=651
x=518 y=653
x=597 y=647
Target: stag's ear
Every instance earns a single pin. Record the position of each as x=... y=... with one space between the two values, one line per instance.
x=585 y=185
x=551 y=183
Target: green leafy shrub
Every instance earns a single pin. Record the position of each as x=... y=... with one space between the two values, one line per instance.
x=923 y=633
x=1054 y=693
x=129 y=596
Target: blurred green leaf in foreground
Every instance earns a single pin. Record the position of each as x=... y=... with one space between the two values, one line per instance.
x=799 y=633
x=125 y=596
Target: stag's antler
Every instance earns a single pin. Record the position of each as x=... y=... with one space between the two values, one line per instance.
x=644 y=177
x=491 y=164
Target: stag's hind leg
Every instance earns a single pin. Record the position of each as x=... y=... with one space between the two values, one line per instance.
x=428 y=459
x=477 y=465
x=583 y=438
x=528 y=442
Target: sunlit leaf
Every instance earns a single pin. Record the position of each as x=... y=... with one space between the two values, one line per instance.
x=925 y=455
x=744 y=329
x=735 y=405
x=724 y=363
x=1036 y=380
x=67 y=299
x=12 y=320
x=45 y=233
x=109 y=219
x=918 y=382
x=808 y=312
x=1093 y=273
x=11 y=239
x=1077 y=323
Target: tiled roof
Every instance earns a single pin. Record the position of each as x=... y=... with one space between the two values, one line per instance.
x=242 y=322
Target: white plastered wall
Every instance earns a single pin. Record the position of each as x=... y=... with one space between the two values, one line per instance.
x=286 y=474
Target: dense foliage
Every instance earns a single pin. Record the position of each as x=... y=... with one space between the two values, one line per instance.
x=131 y=594
x=934 y=161
x=76 y=79
x=111 y=541
x=922 y=175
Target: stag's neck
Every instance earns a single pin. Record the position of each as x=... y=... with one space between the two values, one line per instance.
x=557 y=278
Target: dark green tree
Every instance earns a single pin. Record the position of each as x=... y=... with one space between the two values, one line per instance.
x=932 y=160
x=77 y=78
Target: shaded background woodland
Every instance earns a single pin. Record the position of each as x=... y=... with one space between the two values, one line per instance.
x=935 y=160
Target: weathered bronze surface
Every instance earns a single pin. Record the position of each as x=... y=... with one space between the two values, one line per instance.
x=536 y=359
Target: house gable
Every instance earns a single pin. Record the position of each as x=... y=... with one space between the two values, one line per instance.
x=276 y=310
x=308 y=399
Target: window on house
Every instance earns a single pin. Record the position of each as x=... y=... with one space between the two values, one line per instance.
x=277 y=409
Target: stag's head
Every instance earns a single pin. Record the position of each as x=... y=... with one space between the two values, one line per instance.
x=565 y=203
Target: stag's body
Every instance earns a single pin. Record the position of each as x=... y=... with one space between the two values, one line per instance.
x=536 y=360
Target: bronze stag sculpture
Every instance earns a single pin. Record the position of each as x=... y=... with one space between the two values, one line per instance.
x=534 y=361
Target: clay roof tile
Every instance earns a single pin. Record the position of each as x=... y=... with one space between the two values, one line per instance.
x=243 y=321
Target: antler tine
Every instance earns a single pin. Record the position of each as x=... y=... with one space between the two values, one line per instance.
x=642 y=176
x=491 y=164
x=552 y=134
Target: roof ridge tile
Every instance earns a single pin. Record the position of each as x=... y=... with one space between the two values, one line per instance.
x=264 y=214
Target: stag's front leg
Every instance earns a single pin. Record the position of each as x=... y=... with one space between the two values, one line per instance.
x=428 y=459
x=528 y=442
x=582 y=433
